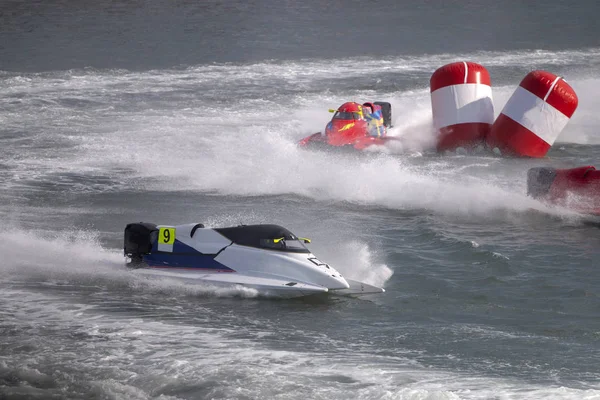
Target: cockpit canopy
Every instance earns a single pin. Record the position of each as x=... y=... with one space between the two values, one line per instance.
x=272 y=237
x=349 y=111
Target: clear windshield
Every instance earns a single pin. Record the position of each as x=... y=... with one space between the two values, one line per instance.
x=293 y=246
x=346 y=115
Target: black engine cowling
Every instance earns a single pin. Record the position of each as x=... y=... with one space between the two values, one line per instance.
x=386 y=111
x=138 y=239
x=539 y=181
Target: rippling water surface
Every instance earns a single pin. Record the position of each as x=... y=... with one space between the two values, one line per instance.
x=176 y=113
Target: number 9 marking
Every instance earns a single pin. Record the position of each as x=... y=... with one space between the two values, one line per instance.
x=166 y=235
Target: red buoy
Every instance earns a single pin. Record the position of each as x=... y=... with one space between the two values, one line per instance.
x=461 y=103
x=534 y=116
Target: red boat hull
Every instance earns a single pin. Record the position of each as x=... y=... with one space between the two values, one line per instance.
x=317 y=140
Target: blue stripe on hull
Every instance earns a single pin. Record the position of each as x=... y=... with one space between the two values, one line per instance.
x=178 y=247
x=188 y=261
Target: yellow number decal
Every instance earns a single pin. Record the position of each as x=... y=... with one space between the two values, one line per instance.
x=166 y=235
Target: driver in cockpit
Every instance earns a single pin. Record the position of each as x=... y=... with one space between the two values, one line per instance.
x=374 y=119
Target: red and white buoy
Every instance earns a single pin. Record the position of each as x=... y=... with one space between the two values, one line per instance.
x=534 y=116
x=461 y=103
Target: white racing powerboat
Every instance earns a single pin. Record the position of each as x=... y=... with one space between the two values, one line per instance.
x=268 y=258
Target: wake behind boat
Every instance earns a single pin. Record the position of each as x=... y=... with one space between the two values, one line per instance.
x=267 y=258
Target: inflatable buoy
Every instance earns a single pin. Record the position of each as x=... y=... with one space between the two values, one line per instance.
x=534 y=116
x=461 y=103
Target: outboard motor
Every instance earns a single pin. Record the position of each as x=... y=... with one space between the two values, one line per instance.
x=138 y=240
x=539 y=181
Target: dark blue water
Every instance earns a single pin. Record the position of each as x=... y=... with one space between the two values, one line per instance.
x=176 y=112
x=58 y=35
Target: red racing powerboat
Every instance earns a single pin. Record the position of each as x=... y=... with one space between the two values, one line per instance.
x=356 y=126
x=575 y=188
